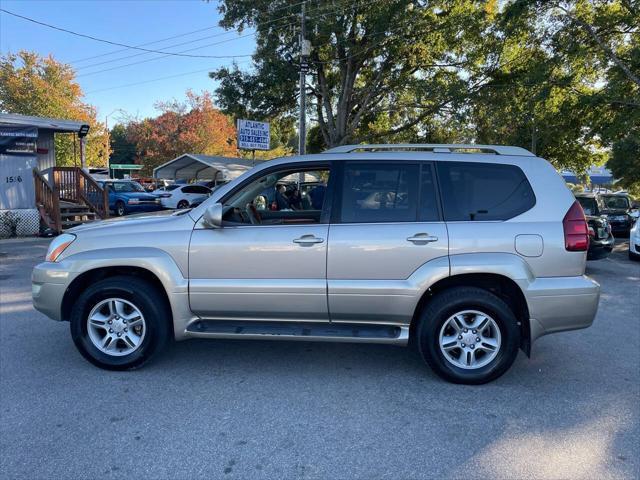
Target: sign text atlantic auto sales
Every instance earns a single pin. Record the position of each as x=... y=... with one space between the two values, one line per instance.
x=253 y=135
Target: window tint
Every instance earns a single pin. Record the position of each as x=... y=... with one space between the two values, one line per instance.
x=616 y=202
x=199 y=189
x=588 y=205
x=428 y=211
x=279 y=197
x=377 y=192
x=483 y=191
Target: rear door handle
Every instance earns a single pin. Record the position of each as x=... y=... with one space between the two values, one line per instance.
x=308 y=240
x=419 y=238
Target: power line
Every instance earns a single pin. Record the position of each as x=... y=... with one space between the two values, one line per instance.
x=318 y=12
x=102 y=40
x=113 y=52
x=175 y=36
x=155 y=79
x=170 y=46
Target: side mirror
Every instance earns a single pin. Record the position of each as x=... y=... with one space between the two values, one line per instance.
x=212 y=217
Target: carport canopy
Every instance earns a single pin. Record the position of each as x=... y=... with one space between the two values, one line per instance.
x=202 y=167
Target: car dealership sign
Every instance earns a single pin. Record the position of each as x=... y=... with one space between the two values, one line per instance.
x=253 y=135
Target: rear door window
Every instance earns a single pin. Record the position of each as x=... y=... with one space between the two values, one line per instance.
x=379 y=192
x=483 y=191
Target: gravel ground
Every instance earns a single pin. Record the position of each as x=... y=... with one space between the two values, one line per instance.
x=259 y=409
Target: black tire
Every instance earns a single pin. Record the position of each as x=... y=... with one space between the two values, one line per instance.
x=121 y=208
x=457 y=299
x=151 y=303
x=183 y=204
x=634 y=256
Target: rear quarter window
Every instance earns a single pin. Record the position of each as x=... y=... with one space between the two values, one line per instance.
x=483 y=191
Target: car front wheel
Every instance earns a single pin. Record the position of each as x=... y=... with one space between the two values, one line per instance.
x=468 y=335
x=119 y=323
x=120 y=208
x=183 y=204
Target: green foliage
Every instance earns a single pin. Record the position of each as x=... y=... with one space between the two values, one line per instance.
x=123 y=150
x=41 y=86
x=559 y=78
x=625 y=162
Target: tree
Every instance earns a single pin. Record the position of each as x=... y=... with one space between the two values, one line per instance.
x=41 y=86
x=378 y=69
x=576 y=75
x=194 y=126
x=556 y=77
x=123 y=150
x=625 y=162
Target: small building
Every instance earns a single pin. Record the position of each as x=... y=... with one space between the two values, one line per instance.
x=192 y=166
x=33 y=190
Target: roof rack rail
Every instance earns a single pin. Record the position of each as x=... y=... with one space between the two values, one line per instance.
x=434 y=147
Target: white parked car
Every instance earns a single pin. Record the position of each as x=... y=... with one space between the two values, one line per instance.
x=634 y=240
x=182 y=196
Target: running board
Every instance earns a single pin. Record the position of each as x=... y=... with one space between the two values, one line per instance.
x=308 y=331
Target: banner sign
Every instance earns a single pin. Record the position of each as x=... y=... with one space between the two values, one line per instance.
x=16 y=181
x=18 y=140
x=253 y=135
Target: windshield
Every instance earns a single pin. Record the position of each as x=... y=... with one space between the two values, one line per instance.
x=588 y=205
x=125 y=187
x=616 y=202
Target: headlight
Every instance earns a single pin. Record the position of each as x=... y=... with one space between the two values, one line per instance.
x=59 y=245
x=133 y=201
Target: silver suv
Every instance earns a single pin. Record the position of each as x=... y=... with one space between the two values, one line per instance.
x=470 y=251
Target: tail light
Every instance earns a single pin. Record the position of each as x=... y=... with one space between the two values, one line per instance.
x=576 y=230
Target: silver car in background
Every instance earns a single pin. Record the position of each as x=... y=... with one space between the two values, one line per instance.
x=471 y=251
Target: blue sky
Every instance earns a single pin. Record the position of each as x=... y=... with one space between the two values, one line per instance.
x=132 y=22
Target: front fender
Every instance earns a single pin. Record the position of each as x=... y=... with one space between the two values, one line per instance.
x=154 y=260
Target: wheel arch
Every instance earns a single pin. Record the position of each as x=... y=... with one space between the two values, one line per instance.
x=153 y=265
x=499 y=284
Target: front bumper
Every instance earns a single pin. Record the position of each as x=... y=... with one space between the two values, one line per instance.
x=558 y=304
x=49 y=282
x=143 y=207
x=619 y=226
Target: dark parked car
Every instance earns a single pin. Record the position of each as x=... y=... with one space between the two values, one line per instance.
x=600 y=237
x=617 y=208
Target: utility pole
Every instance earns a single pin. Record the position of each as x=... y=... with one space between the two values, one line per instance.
x=305 y=51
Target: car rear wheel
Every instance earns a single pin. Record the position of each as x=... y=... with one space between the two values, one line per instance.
x=119 y=323
x=120 y=208
x=183 y=204
x=468 y=335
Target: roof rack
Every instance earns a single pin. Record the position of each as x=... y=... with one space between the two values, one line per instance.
x=435 y=148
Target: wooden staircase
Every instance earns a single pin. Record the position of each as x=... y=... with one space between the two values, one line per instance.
x=73 y=198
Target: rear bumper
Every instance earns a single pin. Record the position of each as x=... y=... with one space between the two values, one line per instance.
x=561 y=303
x=600 y=248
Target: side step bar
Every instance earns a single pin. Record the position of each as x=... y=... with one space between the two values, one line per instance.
x=305 y=331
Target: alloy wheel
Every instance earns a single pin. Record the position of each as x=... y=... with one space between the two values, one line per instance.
x=470 y=339
x=116 y=327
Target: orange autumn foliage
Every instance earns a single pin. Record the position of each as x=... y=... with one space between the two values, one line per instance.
x=194 y=126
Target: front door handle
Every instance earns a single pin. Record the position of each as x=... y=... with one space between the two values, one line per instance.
x=308 y=240
x=422 y=238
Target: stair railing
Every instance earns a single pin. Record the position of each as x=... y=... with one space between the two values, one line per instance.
x=48 y=201
x=91 y=193
x=75 y=185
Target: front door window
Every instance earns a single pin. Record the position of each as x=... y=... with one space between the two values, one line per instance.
x=279 y=198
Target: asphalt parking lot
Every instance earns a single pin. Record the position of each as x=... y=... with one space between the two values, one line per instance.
x=225 y=409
